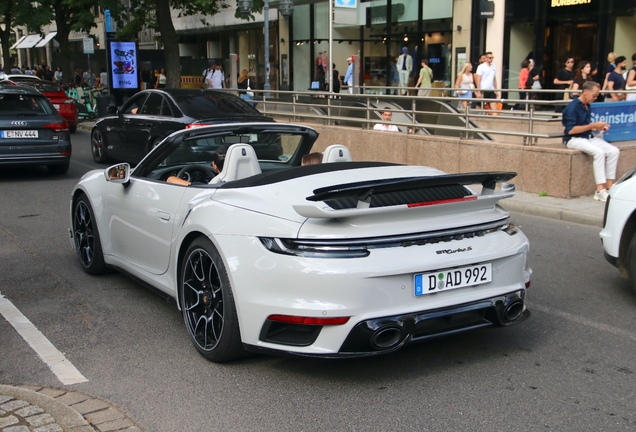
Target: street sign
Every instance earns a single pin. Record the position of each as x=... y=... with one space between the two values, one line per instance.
x=88 y=45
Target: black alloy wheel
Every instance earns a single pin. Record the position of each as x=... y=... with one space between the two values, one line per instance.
x=207 y=303
x=86 y=236
x=98 y=147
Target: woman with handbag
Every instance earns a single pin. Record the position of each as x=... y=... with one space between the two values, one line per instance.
x=465 y=80
x=524 y=74
x=244 y=85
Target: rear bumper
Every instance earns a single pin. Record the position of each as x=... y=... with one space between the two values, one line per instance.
x=388 y=334
x=39 y=154
x=34 y=160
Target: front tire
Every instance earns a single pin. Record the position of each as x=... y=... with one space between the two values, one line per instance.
x=631 y=263
x=207 y=303
x=98 y=147
x=87 y=242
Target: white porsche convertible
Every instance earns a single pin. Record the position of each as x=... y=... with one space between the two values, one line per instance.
x=337 y=259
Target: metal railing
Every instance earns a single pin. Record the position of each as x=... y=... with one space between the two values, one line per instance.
x=312 y=105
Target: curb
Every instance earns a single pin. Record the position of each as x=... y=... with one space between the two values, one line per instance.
x=554 y=213
x=49 y=409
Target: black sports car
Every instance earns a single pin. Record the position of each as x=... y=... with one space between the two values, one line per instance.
x=151 y=115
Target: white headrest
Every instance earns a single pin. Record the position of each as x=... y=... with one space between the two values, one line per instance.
x=240 y=162
x=336 y=153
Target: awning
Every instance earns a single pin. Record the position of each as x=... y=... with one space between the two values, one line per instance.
x=29 y=41
x=18 y=42
x=46 y=40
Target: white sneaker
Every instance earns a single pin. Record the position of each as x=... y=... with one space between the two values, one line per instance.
x=601 y=195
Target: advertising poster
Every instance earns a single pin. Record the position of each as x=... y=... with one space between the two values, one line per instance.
x=123 y=57
x=621 y=116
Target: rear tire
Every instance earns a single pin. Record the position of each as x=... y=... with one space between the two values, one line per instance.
x=59 y=169
x=98 y=147
x=87 y=241
x=207 y=303
x=631 y=263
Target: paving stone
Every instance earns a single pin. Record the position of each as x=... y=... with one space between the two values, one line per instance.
x=71 y=398
x=90 y=406
x=8 y=421
x=31 y=387
x=133 y=429
x=2 y=412
x=115 y=425
x=4 y=399
x=53 y=427
x=14 y=405
x=110 y=414
x=17 y=429
x=40 y=420
x=52 y=392
x=29 y=411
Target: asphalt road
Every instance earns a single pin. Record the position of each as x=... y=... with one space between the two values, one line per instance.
x=571 y=367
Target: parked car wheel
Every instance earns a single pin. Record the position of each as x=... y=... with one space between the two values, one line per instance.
x=207 y=303
x=631 y=263
x=86 y=235
x=98 y=147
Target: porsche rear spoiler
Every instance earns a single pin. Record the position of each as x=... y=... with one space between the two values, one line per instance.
x=363 y=191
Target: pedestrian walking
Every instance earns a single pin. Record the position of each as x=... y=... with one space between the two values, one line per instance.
x=216 y=79
x=465 y=81
x=611 y=65
x=582 y=75
x=349 y=75
x=103 y=78
x=630 y=82
x=404 y=67
x=524 y=74
x=161 y=79
x=245 y=86
x=88 y=78
x=615 y=81
x=335 y=76
x=48 y=74
x=564 y=80
x=425 y=81
x=486 y=77
x=58 y=76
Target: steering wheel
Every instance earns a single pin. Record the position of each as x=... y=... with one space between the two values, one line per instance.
x=190 y=172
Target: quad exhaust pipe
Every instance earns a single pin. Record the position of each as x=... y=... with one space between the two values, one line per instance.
x=386 y=337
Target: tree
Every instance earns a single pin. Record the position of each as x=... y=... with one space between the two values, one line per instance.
x=156 y=14
x=72 y=15
x=17 y=13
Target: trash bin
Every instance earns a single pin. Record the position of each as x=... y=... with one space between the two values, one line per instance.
x=102 y=105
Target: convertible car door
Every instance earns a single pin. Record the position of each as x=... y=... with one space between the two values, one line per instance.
x=141 y=218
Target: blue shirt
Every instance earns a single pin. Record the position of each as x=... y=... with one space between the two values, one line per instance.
x=349 y=74
x=576 y=114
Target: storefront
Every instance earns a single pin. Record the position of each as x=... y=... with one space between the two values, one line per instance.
x=551 y=30
x=378 y=34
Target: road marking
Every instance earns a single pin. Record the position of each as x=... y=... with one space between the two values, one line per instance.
x=581 y=320
x=55 y=360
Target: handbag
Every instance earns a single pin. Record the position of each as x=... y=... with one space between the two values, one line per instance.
x=568 y=95
x=536 y=85
x=315 y=85
x=249 y=92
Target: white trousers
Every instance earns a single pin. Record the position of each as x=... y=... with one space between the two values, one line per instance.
x=605 y=156
x=350 y=84
x=404 y=81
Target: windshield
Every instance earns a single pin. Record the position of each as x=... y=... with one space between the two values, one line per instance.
x=270 y=147
x=24 y=105
x=43 y=86
x=203 y=106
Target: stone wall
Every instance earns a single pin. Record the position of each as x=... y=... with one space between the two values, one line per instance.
x=552 y=169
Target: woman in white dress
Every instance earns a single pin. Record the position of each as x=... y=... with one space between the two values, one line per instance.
x=466 y=82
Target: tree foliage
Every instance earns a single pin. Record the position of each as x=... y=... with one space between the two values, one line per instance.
x=18 y=13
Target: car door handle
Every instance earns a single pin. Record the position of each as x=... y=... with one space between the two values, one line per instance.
x=163 y=215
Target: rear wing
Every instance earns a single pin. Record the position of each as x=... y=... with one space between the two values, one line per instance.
x=363 y=192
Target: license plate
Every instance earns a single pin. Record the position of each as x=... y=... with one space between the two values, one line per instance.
x=56 y=106
x=19 y=134
x=444 y=280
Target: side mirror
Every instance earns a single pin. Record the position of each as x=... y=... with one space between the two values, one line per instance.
x=119 y=173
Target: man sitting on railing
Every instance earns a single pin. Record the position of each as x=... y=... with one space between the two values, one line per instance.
x=578 y=135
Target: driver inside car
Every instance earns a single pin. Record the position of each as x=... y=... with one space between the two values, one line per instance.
x=217 y=165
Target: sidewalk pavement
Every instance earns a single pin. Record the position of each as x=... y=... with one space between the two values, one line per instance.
x=45 y=409
x=583 y=210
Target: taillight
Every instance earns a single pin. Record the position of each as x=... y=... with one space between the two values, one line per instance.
x=196 y=125
x=57 y=127
x=308 y=320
